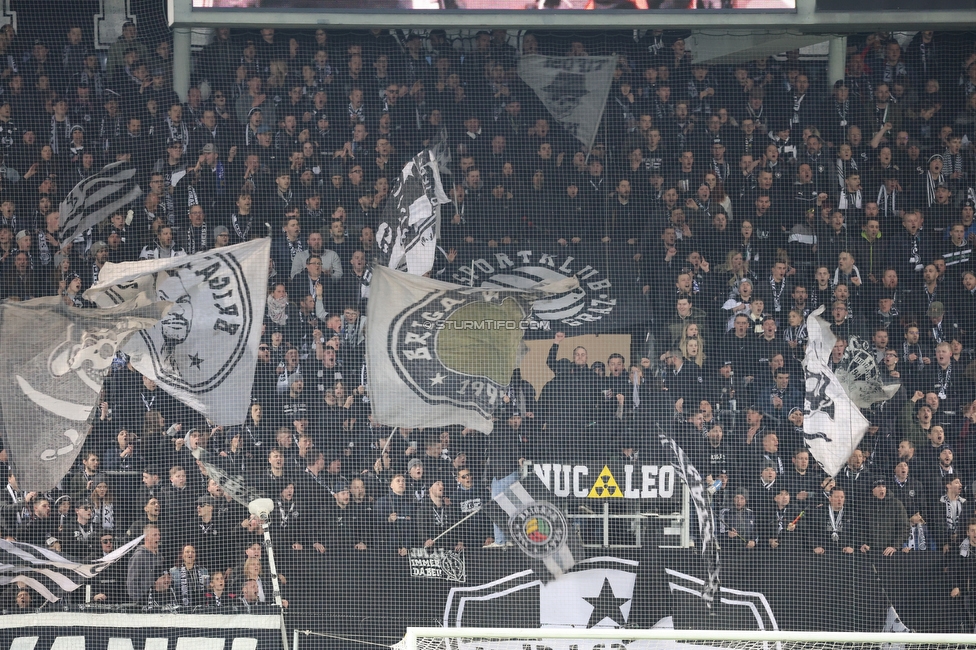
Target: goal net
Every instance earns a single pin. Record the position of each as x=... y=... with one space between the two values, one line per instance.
x=667 y=639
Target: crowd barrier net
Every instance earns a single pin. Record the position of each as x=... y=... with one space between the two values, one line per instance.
x=473 y=329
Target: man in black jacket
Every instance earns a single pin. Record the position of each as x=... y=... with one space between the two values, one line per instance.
x=834 y=529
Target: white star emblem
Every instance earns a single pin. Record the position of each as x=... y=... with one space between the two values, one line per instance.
x=437 y=379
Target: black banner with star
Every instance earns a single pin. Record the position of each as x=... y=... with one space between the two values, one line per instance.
x=641 y=588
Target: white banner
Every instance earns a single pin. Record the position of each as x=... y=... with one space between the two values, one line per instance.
x=832 y=425
x=203 y=352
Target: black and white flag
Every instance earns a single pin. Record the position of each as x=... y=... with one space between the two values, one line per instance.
x=439 y=354
x=574 y=89
x=860 y=376
x=204 y=351
x=541 y=530
x=97 y=198
x=50 y=574
x=234 y=485
x=705 y=514
x=406 y=237
x=53 y=360
x=832 y=424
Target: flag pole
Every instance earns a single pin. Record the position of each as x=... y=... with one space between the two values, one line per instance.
x=457 y=524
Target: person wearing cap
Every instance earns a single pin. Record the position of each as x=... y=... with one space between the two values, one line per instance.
x=434 y=518
x=470 y=498
x=780 y=525
x=221 y=237
x=855 y=479
x=79 y=536
x=345 y=531
x=886 y=522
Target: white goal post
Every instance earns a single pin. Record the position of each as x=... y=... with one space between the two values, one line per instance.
x=426 y=638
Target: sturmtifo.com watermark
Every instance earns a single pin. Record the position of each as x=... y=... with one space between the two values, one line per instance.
x=488 y=325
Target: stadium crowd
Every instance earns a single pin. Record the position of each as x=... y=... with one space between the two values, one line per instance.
x=735 y=199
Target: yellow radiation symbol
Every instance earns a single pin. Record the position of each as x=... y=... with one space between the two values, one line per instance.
x=605 y=486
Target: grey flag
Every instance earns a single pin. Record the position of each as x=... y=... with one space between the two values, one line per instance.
x=407 y=234
x=97 y=198
x=439 y=354
x=53 y=359
x=204 y=351
x=574 y=89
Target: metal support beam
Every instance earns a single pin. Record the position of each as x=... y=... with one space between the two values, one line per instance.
x=181 y=61
x=837 y=59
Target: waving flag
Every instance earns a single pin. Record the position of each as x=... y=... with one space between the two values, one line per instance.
x=53 y=360
x=574 y=89
x=832 y=424
x=204 y=351
x=406 y=238
x=49 y=573
x=97 y=198
x=439 y=354
x=539 y=528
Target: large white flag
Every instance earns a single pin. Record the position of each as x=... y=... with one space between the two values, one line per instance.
x=832 y=425
x=439 y=354
x=203 y=352
x=574 y=89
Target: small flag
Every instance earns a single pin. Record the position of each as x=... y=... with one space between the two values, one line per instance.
x=540 y=529
x=407 y=234
x=703 y=509
x=574 y=89
x=97 y=198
